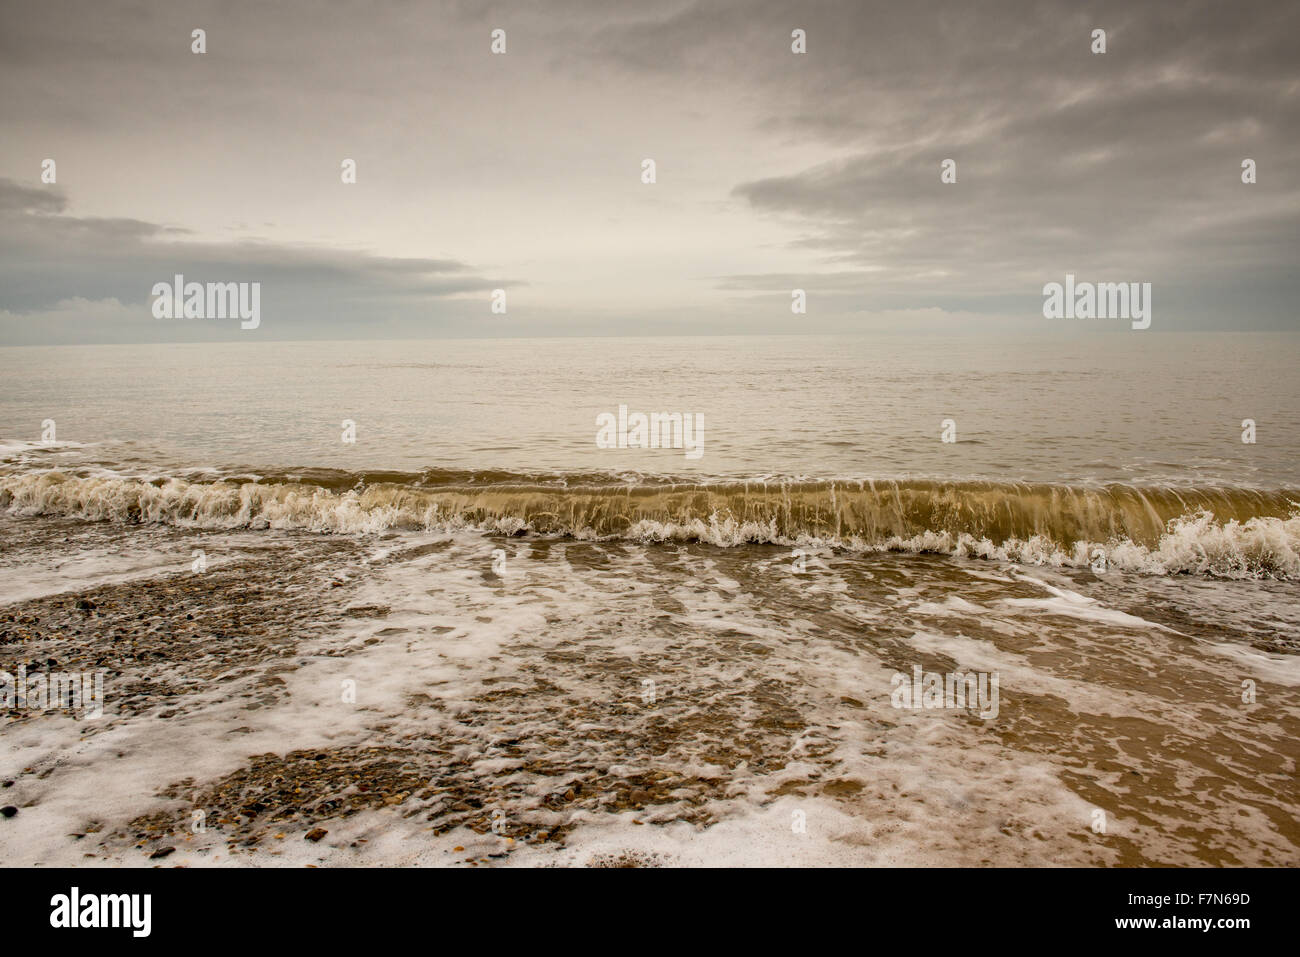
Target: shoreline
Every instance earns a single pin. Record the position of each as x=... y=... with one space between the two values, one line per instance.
x=516 y=683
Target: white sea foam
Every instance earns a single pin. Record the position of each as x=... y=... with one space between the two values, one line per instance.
x=1196 y=542
x=551 y=657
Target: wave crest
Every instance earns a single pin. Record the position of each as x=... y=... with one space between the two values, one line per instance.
x=1233 y=533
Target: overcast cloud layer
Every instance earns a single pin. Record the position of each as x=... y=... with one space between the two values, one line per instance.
x=776 y=171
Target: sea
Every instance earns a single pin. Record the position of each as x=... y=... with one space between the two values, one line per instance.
x=734 y=648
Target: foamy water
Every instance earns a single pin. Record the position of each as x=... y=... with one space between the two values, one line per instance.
x=510 y=675
x=1232 y=533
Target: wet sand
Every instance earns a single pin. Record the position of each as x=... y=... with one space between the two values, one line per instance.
x=619 y=704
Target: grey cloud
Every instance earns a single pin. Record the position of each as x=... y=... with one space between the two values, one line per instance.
x=1126 y=162
x=48 y=257
x=1124 y=165
x=18 y=198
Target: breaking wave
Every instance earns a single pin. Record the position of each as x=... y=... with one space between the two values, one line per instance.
x=1226 y=532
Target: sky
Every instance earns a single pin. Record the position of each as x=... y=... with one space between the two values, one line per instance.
x=522 y=171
